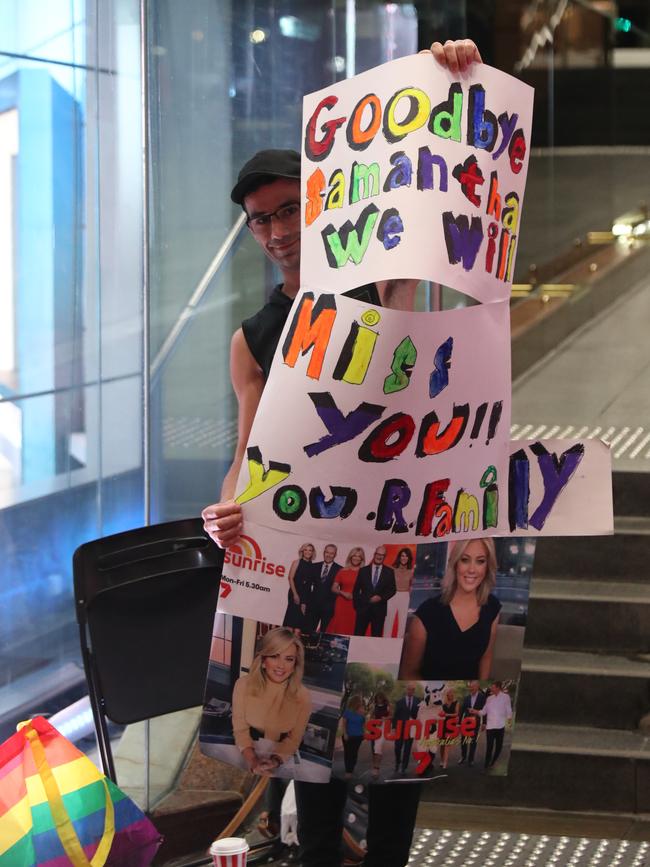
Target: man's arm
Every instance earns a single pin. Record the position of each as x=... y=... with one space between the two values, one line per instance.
x=222 y=521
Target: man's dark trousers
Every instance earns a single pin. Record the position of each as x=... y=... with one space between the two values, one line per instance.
x=392 y=810
x=470 y=742
x=372 y=617
x=403 y=752
x=493 y=742
x=405 y=709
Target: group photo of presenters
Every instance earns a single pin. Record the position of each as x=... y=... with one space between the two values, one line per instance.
x=409 y=730
x=365 y=594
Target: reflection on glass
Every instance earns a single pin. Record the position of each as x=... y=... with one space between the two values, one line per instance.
x=70 y=335
x=224 y=85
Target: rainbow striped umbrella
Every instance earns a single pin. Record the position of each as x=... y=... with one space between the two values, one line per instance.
x=57 y=809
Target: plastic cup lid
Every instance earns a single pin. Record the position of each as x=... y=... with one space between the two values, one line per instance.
x=229 y=846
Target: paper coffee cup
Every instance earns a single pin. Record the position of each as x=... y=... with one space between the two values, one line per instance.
x=229 y=852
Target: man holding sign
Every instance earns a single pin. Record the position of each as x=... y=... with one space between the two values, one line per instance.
x=268 y=189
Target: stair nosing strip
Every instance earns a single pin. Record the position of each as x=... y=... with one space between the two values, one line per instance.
x=566 y=749
x=620 y=666
x=568 y=596
x=524 y=740
x=587 y=670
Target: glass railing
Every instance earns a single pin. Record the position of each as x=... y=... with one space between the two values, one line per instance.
x=581 y=277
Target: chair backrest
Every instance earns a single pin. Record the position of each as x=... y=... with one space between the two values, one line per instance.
x=145 y=604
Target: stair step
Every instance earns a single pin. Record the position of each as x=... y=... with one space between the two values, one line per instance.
x=620 y=557
x=589 y=615
x=580 y=741
x=630 y=493
x=632 y=525
x=583 y=664
x=517 y=820
x=565 y=687
x=567 y=589
x=561 y=768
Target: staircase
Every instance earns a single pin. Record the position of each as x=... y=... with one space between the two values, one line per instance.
x=582 y=732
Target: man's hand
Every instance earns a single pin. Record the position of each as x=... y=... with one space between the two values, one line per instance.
x=223 y=522
x=456 y=56
x=376 y=598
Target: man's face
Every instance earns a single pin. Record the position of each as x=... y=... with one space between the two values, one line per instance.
x=380 y=554
x=410 y=690
x=473 y=686
x=279 y=238
x=329 y=553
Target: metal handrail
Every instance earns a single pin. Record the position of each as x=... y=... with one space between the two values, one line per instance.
x=189 y=311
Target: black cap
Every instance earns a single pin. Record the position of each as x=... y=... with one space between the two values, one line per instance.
x=267 y=163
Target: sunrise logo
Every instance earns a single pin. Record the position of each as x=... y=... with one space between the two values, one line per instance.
x=247 y=554
x=246 y=547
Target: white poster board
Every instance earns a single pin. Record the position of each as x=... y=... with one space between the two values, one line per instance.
x=410 y=171
x=383 y=422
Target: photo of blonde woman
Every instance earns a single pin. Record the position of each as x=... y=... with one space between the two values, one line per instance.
x=343 y=587
x=270 y=705
x=301 y=580
x=452 y=635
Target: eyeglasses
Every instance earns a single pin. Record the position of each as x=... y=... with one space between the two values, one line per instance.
x=286 y=214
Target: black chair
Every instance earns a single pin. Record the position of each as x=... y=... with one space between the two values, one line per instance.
x=145 y=602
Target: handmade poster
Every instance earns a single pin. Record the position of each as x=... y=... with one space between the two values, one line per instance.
x=354 y=682
x=380 y=421
x=313 y=584
x=418 y=719
x=412 y=171
x=495 y=573
x=272 y=698
x=317 y=585
x=382 y=436
x=560 y=487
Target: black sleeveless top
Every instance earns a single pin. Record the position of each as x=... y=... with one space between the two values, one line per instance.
x=262 y=330
x=450 y=653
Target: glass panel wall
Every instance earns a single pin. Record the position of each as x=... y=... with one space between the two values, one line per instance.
x=583 y=258
x=226 y=80
x=71 y=330
x=584 y=215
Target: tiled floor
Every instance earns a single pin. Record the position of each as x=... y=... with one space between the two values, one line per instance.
x=448 y=848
